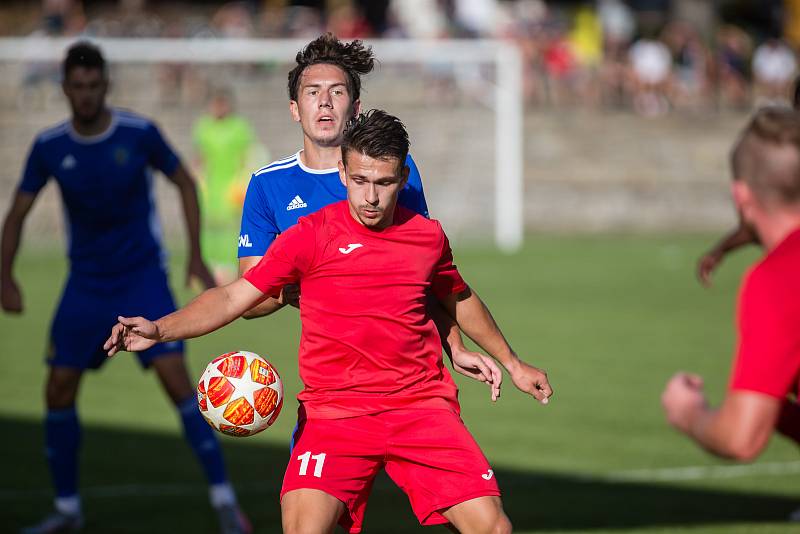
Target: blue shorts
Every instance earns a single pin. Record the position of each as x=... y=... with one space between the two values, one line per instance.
x=89 y=308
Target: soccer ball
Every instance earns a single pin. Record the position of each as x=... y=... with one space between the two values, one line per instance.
x=240 y=393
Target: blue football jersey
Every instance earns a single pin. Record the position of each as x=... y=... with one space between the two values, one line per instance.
x=285 y=190
x=106 y=187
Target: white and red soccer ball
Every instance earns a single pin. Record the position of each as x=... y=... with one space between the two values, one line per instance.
x=240 y=393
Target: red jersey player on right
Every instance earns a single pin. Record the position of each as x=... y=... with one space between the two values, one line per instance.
x=377 y=395
x=765 y=381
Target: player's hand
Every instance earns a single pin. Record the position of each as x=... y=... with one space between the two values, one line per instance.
x=10 y=296
x=532 y=380
x=480 y=368
x=290 y=294
x=682 y=397
x=133 y=334
x=707 y=265
x=196 y=268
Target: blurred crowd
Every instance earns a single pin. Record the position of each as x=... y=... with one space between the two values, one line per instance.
x=651 y=56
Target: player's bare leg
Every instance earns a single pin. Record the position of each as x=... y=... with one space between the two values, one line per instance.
x=483 y=515
x=310 y=511
x=174 y=377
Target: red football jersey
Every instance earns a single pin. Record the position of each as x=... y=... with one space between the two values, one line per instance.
x=768 y=359
x=368 y=343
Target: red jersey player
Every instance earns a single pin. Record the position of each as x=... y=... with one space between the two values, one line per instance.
x=766 y=190
x=376 y=394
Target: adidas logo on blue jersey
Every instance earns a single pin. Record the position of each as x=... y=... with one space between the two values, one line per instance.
x=296 y=203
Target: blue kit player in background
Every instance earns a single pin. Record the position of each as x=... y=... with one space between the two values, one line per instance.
x=324 y=93
x=102 y=160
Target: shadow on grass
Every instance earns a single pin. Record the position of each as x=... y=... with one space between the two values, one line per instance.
x=144 y=482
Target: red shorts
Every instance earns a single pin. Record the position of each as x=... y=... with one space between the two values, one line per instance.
x=429 y=454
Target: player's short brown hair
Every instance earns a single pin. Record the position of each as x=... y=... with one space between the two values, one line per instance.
x=376 y=134
x=353 y=58
x=767 y=155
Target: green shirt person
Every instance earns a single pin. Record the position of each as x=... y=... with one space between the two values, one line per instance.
x=224 y=142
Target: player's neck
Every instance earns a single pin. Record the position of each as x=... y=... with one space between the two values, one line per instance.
x=95 y=126
x=777 y=227
x=320 y=158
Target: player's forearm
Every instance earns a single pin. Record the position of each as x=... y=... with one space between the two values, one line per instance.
x=212 y=309
x=706 y=430
x=9 y=245
x=191 y=215
x=737 y=238
x=724 y=433
x=12 y=232
x=447 y=327
x=476 y=321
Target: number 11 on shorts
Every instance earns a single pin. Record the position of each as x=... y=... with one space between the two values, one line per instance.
x=306 y=457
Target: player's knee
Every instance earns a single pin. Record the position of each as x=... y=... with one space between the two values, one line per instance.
x=497 y=522
x=503 y=525
x=61 y=390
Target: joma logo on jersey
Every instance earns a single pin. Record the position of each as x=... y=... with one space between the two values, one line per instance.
x=296 y=203
x=350 y=248
x=244 y=241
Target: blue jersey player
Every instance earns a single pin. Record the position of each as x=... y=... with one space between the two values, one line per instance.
x=102 y=160
x=324 y=93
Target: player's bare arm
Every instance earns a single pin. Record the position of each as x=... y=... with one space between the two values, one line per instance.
x=195 y=267
x=739 y=429
x=476 y=321
x=10 y=294
x=739 y=237
x=466 y=362
x=212 y=309
x=290 y=294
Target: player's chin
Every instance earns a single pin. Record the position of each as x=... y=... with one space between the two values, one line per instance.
x=371 y=218
x=327 y=138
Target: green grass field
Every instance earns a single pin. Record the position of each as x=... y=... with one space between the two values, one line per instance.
x=610 y=319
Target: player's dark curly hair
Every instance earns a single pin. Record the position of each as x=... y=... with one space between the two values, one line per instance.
x=83 y=54
x=353 y=58
x=376 y=134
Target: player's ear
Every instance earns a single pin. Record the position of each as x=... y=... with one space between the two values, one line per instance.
x=743 y=198
x=405 y=172
x=356 y=107
x=342 y=173
x=294 y=110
